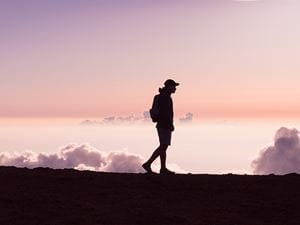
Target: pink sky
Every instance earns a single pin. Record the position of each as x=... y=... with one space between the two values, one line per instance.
x=97 y=58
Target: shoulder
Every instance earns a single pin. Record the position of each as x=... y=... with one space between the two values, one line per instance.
x=156 y=97
x=162 y=96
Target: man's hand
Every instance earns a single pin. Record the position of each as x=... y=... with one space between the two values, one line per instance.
x=172 y=128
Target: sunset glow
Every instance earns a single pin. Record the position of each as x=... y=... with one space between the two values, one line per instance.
x=98 y=58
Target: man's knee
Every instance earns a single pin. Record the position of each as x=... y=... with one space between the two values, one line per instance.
x=163 y=147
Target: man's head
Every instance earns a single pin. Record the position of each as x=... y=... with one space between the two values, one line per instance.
x=170 y=85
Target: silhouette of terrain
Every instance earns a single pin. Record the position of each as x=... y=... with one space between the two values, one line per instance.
x=49 y=197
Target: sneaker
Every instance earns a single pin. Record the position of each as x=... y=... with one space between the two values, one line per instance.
x=166 y=171
x=147 y=167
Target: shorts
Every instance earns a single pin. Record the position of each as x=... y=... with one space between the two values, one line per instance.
x=164 y=135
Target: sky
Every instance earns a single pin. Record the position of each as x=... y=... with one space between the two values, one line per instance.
x=76 y=58
x=66 y=61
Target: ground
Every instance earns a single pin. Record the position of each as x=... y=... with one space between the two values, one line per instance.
x=45 y=196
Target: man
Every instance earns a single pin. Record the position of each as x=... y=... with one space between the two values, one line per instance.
x=164 y=104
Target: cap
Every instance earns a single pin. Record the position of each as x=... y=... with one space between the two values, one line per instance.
x=170 y=82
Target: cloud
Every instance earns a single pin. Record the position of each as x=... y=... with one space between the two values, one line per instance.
x=187 y=118
x=81 y=157
x=123 y=162
x=281 y=158
x=119 y=120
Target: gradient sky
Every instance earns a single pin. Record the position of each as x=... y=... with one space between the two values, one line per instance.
x=78 y=58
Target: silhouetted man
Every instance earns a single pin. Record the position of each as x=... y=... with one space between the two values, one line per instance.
x=162 y=113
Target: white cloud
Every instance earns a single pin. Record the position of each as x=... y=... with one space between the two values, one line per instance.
x=123 y=162
x=281 y=158
x=81 y=157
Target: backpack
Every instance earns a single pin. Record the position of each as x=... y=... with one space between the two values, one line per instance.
x=154 y=111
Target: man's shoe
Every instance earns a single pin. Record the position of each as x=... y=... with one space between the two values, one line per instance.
x=166 y=171
x=147 y=167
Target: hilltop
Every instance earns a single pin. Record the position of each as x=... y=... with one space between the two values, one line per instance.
x=44 y=196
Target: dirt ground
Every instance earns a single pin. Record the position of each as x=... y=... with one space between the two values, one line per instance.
x=45 y=196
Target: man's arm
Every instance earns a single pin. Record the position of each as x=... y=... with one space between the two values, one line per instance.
x=165 y=114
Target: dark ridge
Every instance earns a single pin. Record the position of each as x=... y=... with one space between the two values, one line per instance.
x=46 y=196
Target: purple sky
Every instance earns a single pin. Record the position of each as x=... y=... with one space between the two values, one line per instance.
x=96 y=58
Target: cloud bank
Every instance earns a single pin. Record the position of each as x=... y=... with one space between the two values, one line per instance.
x=82 y=157
x=119 y=120
x=281 y=158
x=130 y=120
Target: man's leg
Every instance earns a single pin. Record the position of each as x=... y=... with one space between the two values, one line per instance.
x=155 y=154
x=163 y=156
x=164 y=140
